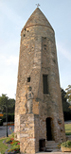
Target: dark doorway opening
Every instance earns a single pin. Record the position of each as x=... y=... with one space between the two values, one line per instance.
x=49 y=129
x=42 y=145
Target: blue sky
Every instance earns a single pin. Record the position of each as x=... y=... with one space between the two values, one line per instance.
x=13 y=15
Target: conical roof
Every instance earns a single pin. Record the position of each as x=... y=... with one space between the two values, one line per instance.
x=37 y=18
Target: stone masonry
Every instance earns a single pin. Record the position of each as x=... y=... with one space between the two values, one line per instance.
x=38 y=109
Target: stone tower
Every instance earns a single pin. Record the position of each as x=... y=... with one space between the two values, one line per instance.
x=38 y=110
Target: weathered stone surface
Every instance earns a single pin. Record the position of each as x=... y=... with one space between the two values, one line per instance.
x=38 y=57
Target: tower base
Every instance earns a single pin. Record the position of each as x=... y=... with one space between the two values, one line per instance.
x=27 y=135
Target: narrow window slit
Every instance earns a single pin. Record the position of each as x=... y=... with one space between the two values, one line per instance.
x=28 y=79
x=45 y=38
x=45 y=48
x=24 y=35
x=45 y=84
x=54 y=61
x=44 y=45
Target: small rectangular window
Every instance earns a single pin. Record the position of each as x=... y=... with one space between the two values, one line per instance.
x=23 y=35
x=44 y=38
x=45 y=48
x=45 y=84
x=28 y=79
x=44 y=45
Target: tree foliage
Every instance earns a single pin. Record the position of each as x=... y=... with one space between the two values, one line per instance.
x=68 y=93
x=66 y=106
x=7 y=102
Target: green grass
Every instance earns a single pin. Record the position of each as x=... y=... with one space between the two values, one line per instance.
x=14 y=145
x=68 y=129
x=3 y=147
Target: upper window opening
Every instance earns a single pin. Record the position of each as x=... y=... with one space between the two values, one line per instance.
x=45 y=38
x=45 y=48
x=44 y=45
x=45 y=84
x=28 y=79
x=23 y=35
x=54 y=60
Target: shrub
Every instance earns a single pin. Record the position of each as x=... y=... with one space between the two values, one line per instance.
x=12 y=135
x=15 y=145
x=15 y=142
x=8 y=140
x=66 y=144
x=15 y=148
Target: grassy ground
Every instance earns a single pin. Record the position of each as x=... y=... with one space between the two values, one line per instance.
x=12 y=144
x=3 y=147
x=68 y=129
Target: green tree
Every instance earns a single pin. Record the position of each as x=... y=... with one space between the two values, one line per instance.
x=66 y=106
x=11 y=105
x=8 y=102
x=3 y=101
x=68 y=93
x=7 y=106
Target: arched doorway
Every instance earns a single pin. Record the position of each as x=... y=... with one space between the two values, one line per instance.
x=49 y=129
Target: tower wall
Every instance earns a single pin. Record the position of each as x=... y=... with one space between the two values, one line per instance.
x=38 y=57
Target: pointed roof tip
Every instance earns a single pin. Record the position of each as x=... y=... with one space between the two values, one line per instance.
x=37 y=18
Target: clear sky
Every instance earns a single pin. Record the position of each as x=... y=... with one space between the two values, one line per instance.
x=13 y=15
